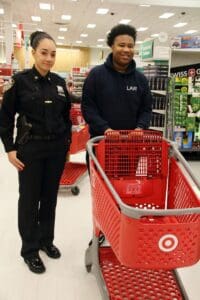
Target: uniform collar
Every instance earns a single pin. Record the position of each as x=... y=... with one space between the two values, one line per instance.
x=37 y=76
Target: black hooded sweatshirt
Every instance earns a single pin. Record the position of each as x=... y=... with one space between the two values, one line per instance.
x=116 y=100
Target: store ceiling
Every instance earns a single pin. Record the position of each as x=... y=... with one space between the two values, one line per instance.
x=83 y=12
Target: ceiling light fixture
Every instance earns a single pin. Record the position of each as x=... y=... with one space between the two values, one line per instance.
x=155 y=35
x=142 y=28
x=180 y=25
x=100 y=40
x=66 y=17
x=61 y=37
x=191 y=31
x=63 y=29
x=166 y=15
x=79 y=42
x=83 y=34
x=1 y=11
x=102 y=11
x=46 y=6
x=145 y=5
x=36 y=19
x=91 y=25
x=124 y=21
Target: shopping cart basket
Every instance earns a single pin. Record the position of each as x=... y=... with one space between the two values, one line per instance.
x=149 y=212
x=74 y=171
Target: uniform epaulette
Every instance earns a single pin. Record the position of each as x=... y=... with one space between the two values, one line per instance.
x=24 y=72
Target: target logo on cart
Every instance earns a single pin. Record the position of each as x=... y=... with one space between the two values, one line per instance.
x=168 y=242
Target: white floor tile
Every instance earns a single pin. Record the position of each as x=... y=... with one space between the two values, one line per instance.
x=65 y=278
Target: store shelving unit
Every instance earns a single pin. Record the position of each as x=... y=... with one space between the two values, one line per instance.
x=184 y=114
x=78 y=76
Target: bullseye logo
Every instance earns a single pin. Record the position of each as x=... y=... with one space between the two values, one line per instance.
x=168 y=242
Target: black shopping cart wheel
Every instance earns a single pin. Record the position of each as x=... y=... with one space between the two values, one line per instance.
x=88 y=268
x=75 y=190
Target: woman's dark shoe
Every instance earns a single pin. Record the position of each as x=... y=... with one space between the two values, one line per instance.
x=35 y=264
x=52 y=251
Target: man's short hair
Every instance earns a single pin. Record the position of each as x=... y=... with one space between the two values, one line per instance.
x=121 y=29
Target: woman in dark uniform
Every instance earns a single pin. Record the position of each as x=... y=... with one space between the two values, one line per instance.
x=41 y=100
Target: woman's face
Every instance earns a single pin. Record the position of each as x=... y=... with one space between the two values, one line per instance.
x=44 y=56
x=123 y=50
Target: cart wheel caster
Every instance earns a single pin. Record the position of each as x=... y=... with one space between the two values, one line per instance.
x=75 y=190
x=88 y=268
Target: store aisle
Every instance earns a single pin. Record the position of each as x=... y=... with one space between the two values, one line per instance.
x=65 y=278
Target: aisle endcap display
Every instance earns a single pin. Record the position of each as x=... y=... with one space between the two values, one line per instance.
x=185 y=110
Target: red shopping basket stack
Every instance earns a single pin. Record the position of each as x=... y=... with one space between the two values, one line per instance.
x=74 y=171
x=148 y=211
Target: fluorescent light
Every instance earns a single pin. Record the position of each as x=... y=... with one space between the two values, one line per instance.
x=124 y=21
x=99 y=46
x=145 y=5
x=61 y=37
x=155 y=35
x=166 y=15
x=180 y=25
x=14 y=26
x=46 y=6
x=100 y=40
x=102 y=11
x=59 y=43
x=79 y=42
x=142 y=28
x=139 y=42
x=62 y=29
x=83 y=34
x=36 y=18
x=191 y=31
x=91 y=25
x=66 y=17
x=1 y=37
x=1 y=11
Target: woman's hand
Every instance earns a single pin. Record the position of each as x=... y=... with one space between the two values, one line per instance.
x=12 y=157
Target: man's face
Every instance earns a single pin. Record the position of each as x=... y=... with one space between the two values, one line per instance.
x=123 y=49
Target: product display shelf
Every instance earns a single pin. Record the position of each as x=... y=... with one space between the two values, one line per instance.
x=78 y=78
x=160 y=102
x=185 y=114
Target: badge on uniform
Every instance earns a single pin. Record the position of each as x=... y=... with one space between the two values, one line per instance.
x=8 y=85
x=60 y=90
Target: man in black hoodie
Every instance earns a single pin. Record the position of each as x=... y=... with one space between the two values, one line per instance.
x=115 y=95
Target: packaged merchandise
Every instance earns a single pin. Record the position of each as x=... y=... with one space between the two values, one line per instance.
x=187 y=139
x=178 y=138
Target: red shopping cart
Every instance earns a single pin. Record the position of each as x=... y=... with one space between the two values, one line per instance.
x=74 y=171
x=148 y=210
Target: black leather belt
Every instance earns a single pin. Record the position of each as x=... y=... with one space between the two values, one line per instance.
x=43 y=137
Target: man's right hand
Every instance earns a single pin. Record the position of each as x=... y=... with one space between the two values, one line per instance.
x=12 y=157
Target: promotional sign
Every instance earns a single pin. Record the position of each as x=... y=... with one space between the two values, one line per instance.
x=146 y=50
x=186 y=71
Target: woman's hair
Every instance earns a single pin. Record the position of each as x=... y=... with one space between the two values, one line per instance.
x=121 y=29
x=37 y=36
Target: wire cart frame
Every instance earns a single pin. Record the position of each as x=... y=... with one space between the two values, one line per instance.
x=145 y=205
x=75 y=171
